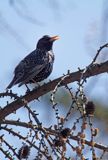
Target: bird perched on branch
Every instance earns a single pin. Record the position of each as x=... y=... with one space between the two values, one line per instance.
x=36 y=66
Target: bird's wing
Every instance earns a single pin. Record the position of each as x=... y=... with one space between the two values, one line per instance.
x=29 y=67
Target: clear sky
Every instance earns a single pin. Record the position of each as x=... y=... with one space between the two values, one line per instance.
x=72 y=20
x=22 y=23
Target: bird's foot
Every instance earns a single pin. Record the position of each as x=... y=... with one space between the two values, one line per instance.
x=38 y=85
x=28 y=90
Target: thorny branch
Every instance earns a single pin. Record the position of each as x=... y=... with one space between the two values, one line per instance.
x=36 y=93
x=23 y=138
x=50 y=131
x=54 y=141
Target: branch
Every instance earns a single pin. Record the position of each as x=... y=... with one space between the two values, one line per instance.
x=97 y=145
x=28 y=125
x=36 y=93
x=52 y=132
x=23 y=138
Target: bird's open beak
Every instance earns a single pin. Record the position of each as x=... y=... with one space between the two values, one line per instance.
x=54 y=38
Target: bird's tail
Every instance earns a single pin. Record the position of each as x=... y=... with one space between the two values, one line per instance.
x=11 y=84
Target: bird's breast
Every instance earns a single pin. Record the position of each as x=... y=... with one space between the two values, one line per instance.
x=50 y=57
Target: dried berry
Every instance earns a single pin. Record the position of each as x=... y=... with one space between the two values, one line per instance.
x=90 y=108
x=84 y=125
x=78 y=150
x=95 y=131
x=58 y=143
x=65 y=132
x=24 y=152
x=62 y=120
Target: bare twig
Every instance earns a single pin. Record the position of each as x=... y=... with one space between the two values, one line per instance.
x=75 y=76
x=98 y=52
x=53 y=141
x=23 y=138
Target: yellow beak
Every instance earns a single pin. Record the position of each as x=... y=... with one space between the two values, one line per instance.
x=54 y=38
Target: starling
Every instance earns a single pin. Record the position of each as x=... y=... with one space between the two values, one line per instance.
x=36 y=66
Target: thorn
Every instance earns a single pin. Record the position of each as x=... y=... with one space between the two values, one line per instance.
x=10 y=91
x=68 y=71
x=79 y=69
x=38 y=99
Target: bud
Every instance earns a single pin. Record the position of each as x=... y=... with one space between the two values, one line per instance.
x=65 y=132
x=62 y=120
x=90 y=108
x=57 y=143
x=84 y=125
x=95 y=131
x=78 y=150
x=24 y=152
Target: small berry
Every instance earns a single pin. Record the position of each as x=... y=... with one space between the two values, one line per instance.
x=90 y=108
x=58 y=143
x=84 y=125
x=24 y=152
x=65 y=132
x=78 y=150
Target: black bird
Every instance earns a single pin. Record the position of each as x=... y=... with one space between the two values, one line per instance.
x=36 y=66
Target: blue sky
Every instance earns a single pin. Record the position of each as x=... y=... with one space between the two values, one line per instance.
x=77 y=23
x=71 y=21
x=74 y=21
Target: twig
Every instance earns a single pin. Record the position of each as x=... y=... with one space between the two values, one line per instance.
x=50 y=132
x=6 y=153
x=97 y=145
x=29 y=125
x=23 y=138
x=10 y=147
x=98 y=52
x=75 y=76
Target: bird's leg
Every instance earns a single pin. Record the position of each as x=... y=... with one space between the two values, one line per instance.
x=36 y=82
x=28 y=90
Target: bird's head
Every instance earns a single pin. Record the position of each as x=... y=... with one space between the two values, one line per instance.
x=46 y=42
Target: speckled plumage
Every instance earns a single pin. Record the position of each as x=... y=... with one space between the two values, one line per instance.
x=45 y=72
x=36 y=66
